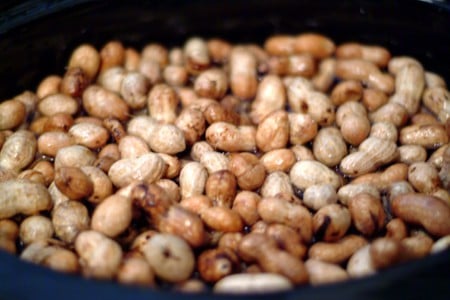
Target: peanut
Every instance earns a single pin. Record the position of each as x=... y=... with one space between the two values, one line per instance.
x=170 y=257
x=308 y=172
x=429 y=136
x=336 y=252
x=430 y=212
x=270 y=97
x=100 y=256
x=322 y=273
x=366 y=72
x=24 y=197
x=12 y=114
x=375 y=54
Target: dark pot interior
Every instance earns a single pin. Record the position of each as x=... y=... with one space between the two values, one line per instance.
x=36 y=40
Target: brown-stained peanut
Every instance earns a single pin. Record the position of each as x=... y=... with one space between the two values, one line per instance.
x=367 y=213
x=247 y=168
x=416 y=246
x=331 y=222
x=257 y=247
x=273 y=132
x=373 y=99
x=385 y=252
x=12 y=114
x=211 y=83
x=214 y=264
x=424 y=177
x=228 y=137
x=337 y=252
x=101 y=103
x=112 y=54
x=319 y=46
x=73 y=182
x=366 y=72
x=302 y=98
x=396 y=229
x=9 y=232
x=219 y=50
x=280 y=45
x=430 y=212
x=323 y=79
x=348 y=90
x=74 y=82
x=375 y=54
x=222 y=219
x=192 y=123
x=135 y=270
x=276 y=210
x=162 y=102
x=354 y=125
x=221 y=188
x=87 y=58
x=245 y=204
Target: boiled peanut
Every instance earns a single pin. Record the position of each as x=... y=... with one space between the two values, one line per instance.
x=430 y=212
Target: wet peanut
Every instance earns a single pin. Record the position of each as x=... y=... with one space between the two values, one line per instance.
x=375 y=54
x=367 y=213
x=365 y=71
x=337 y=252
x=248 y=169
x=428 y=211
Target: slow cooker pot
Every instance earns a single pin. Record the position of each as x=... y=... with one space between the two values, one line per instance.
x=36 y=39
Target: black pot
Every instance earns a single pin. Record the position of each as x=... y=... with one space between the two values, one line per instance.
x=36 y=40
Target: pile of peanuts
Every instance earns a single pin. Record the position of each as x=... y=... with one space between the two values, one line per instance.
x=236 y=168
